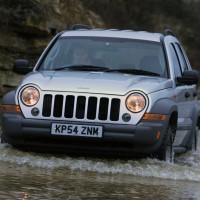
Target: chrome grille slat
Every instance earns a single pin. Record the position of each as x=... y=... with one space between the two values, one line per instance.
x=81 y=107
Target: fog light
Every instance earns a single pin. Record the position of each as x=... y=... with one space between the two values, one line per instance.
x=126 y=117
x=35 y=112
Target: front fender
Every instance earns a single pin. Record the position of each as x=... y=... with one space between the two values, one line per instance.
x=164 y=106
x=9 y=98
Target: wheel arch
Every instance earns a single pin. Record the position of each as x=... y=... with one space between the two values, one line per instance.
x=169 y=108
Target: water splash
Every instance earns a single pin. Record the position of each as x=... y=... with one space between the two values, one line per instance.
x=185 y=167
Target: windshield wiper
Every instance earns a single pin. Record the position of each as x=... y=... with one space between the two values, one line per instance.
x=133 y=71
x=106 y=69
x=83 y=68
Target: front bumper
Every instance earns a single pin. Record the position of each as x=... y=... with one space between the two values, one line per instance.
x=117 y=139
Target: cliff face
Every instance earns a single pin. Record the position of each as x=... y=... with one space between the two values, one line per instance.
x=27 y=26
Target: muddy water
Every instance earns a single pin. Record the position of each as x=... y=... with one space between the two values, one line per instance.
x=25 y=175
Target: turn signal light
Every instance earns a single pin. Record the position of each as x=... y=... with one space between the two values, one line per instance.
x=154 y=117
x=10 y=108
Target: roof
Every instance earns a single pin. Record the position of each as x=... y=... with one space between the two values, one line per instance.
x=115 y=33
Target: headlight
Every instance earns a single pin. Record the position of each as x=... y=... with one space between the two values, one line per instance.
x=30 y=96
x=135 y=102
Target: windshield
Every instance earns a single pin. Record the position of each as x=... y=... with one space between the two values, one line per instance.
x=115 y=55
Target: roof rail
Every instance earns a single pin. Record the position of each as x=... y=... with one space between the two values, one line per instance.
x=169 y=32
x=78 y=26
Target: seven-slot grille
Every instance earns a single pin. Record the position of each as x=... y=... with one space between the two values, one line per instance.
x=81 y=107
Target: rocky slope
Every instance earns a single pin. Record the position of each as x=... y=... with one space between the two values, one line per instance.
x=28 y=25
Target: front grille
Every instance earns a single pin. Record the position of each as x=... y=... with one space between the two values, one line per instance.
x=81 y=107
x=46 y=111
x=69 y=106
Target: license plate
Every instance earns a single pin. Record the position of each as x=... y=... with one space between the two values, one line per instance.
x=76 y=130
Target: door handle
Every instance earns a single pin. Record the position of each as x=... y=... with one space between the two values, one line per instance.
x=187 y=95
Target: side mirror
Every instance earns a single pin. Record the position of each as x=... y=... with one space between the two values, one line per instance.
x=22 y=66
x=189 y=77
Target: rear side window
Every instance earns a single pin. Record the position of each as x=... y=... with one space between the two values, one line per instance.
x=181 y=57
x=175 y=60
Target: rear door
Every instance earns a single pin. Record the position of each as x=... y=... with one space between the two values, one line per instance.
x=191 y=89
x=185 y=96
x=181 y=91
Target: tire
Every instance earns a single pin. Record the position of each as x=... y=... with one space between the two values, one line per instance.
x=3 y=140
x=166 y=152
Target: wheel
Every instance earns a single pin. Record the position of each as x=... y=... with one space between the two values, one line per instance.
x=166 y=152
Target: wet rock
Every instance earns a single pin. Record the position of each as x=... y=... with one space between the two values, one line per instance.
x=27 y=26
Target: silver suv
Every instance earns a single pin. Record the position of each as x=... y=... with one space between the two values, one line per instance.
x=105 y=92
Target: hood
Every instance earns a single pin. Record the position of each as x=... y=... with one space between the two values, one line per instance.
x=95 y=82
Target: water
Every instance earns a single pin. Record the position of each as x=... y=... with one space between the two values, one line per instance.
x=26 y=175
